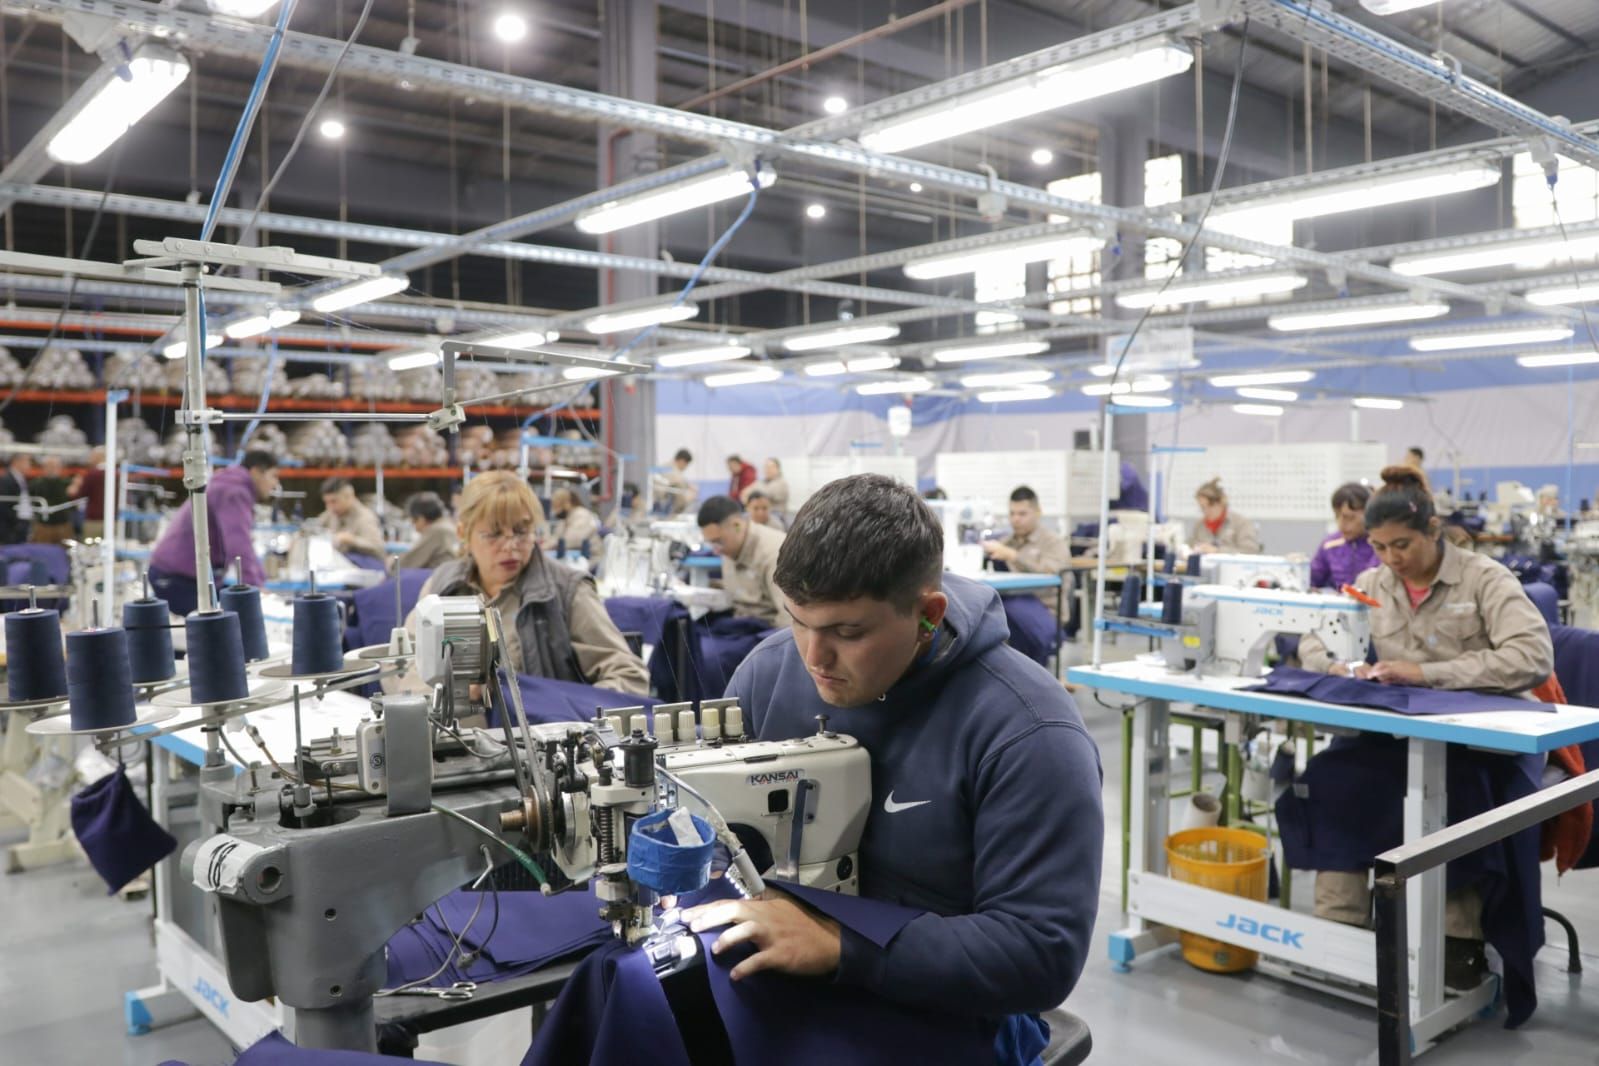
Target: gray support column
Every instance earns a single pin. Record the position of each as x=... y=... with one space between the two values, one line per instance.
x=628 y=68
x=1124 y=145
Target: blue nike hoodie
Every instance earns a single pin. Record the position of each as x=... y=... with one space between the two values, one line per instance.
x=985 y=813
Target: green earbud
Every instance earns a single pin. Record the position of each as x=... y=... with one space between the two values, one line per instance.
x=928 y=626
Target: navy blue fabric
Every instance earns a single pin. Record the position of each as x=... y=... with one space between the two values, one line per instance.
x=179 y=590
x=1033 y=631
x=1021 y=1041
x=116 y=831
x=1134 y=497
x=545 y=699
x=612 y=1012
x=1545 y=598
x=1577 y=667
x=530 y=931
x=966 y=736
x=1347 y=808
x=665 y=625
x=274 y=1050
x=366 y=562
x=35 y=564
x=372 y=616
x=727 y=642
x=1403 y=699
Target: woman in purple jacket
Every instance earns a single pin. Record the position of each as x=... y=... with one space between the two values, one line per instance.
x=1345 y=555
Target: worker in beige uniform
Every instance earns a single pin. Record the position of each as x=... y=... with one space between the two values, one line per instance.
x=1030 y=548
x=749 y=559
x=353 y=525
x=1444 y=619
x=554 y=623
x=1220 y=528
x=674 y=491
x=436 y=542
x=773 y=485
x=575 y=529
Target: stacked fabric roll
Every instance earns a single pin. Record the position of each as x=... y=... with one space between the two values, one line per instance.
x=216 y=376
x=136 y=370
x=423 y=446
x=375 y=381
x=171 y=452
x=136 y=442
x=249 y=377
x=61 y=368
x=422 y=385
x=6 y=436
x=269 y=438
x=373 y=445
x=473 y=381
x=315 y=387
x=10 y=369
x=476 y=447
x=62 y=432
x=319 y=444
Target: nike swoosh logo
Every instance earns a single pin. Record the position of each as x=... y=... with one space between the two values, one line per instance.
x=894 y=808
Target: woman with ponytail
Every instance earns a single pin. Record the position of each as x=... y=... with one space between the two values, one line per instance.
x=1444 y=619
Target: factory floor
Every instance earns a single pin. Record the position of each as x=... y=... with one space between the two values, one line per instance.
x=68 y=952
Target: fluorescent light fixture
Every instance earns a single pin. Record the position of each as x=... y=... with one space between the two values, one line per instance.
x=1036 y=250
x=1142 y=401
x=673 y=199
x=915 y=186
x=1023 y=392
x=1559 y=359
x=412 y=360
x=152 y=74
x=702 y=355
x=1394 y=7
x=528 y=338
x=971 y=353
x=1455 y=342
x=587 y=373
x=895 y=387
x=865 y=364
x=361 y=292
x=1007 y=380
x=1363 y=194
x=815 y=212
x=256 y=325
x=1105 y=370
x=1566 y=294
x=623 y=321
x=840 y=334
x=1266 y=409
x=179 y=349
x=1056 y=87
x=835 y=105
x=1525 y=254
x=510 y=27
x=758 y=376
x=1042 y=157
x=331 y=129
x=1218 y=289
x=1378 y=403
x=1360 y=316
x=244 y=9
x=1279 y=395
x=1269 y=377
x=1153 y=383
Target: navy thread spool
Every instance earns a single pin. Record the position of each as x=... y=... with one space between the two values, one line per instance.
x=1171 y=605
x=216 y=657
x=149 y=626
x=35 y=669
x=1132 y=589
x=318 y=643
x=99 y=678
x=245 y=601
x=1193 y=565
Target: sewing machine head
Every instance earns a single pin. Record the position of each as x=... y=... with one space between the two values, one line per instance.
x=1255 y=571
x=1226 y=631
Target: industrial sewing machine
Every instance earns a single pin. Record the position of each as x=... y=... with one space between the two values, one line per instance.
x=316 y=868
x=1226 y=631
x=1290 y=573
x=636 y=565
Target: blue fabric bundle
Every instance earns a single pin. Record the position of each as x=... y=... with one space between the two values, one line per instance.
x=1403 y=699
x=116 y=831
x=372 y=616
x=274 y=1050
x=530 y=932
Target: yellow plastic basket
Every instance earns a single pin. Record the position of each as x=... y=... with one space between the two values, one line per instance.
x=1226 y=860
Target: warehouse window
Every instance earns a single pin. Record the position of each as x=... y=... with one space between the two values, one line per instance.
x=1003 y=282
x=1163 y=183
x=1254 y=225
x=1577 y=192
x=1079 y=271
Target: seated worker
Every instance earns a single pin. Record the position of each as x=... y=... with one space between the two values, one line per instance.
x=554 y=622
x=1134 y=496
x=741 y=475
x=1030 y=548
x=962 y=731
x=53 y=524
x=355 y=529
x=773 y=485
x=1446 y=619
x=230 y=500
x=435 y=543
x=16 y=503
x=760 y=511
x=674 y=491
x=749 y=552
x=89 y=486
x=1348 y=553
x=1219 y=528
x=575 y=529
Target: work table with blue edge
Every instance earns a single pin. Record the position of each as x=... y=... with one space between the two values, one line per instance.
x=1521 y=732
x=1010 y=581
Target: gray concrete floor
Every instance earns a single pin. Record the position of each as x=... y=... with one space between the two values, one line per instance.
x=68 y=953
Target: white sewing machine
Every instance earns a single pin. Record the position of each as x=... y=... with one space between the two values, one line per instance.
x=643 y=566
x=1287 y=572
x=1127 y=538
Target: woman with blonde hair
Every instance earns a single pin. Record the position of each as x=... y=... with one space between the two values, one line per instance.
x=1221 y=529
x=554 y=623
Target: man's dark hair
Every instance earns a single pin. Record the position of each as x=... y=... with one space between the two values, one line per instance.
x=717 y=510
x=752 y=497
x=866 y=535
x=1421 y=456
x=1023 y=494
x=337 y=484
x=1353 y=494
x=685 y=455
x=426 y=506
x=259 y=460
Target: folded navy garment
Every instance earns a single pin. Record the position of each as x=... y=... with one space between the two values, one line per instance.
x=1033 y=631
x=548 y=700
x=675 y=640
x=1404 y=699
x=529 y=931
x=116 y=831
x=274 y=1050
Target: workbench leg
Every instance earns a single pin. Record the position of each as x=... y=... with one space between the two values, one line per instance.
x=1127 y=799
x=1197 y=771
x=1148 y=809
x=1426 y=812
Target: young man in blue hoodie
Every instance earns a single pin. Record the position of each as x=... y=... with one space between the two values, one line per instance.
x=985 y=785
